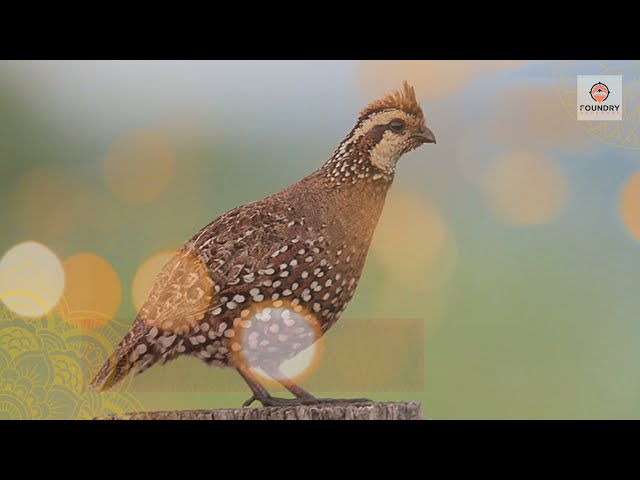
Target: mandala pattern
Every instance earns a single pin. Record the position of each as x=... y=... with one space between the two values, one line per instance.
x=46 y=365
x=623 y=134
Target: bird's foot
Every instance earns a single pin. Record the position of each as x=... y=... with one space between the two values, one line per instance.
x=314 y=400
x=269 y=401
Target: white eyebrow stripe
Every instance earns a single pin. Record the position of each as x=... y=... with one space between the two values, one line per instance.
x=380 y=118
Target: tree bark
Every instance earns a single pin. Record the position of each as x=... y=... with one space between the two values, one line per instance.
x=338 y=411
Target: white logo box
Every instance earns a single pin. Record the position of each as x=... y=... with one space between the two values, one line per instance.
x=590 y=110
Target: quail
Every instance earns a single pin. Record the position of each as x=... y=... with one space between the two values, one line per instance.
x=261 y=283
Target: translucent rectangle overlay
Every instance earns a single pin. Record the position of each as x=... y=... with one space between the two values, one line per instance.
x=357 y=355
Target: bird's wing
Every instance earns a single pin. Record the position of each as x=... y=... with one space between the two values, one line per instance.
x=181 y=295
x=196 y=282
x=228 y=251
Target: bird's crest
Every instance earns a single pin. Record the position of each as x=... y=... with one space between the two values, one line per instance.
x=404 y=99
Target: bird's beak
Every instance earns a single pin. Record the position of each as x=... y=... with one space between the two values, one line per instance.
x=425 y=135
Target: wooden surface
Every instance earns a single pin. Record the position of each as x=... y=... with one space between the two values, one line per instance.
x=363 y=411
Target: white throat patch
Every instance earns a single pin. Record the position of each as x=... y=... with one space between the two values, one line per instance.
x=385 y=154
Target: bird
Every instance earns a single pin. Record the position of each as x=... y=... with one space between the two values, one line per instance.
x=264 y=281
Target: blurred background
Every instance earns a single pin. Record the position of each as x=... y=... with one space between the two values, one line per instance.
x=502 y=281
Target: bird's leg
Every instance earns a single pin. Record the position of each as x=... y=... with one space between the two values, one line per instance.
x=302 y=396
x=305 y=397
x=261 y=394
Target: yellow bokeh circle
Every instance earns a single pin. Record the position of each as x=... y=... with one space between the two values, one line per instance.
x=146 y=274
x=525 y=188
x=414 y=244
x=431 y=78
x=92 y=293
x=31 y=279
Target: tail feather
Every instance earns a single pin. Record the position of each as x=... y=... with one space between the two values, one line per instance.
x=123 y=359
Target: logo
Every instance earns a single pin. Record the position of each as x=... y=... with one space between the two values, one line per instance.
x=599 y=92
x=599 y=97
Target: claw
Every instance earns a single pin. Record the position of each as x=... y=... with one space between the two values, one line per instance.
x=313 y=400
x=276 y=402
x=248 y=403
x=290 y=402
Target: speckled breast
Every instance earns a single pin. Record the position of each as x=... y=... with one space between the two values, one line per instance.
x=283 y=308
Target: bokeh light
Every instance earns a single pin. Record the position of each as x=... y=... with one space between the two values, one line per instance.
x=186 y=277
x=92 y=293
x=410 y=242
x=31 y=279
x=139 y=166
x=525 y=188
x=279 y=333
x=431 y=78
x=146 y=274
x=630 y=205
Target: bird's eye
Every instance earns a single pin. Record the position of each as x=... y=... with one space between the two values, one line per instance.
x=397 y=125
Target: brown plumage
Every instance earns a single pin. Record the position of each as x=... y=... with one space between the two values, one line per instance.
x=262 y=282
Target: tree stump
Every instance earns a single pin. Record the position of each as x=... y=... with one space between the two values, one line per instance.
x=337 y=411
